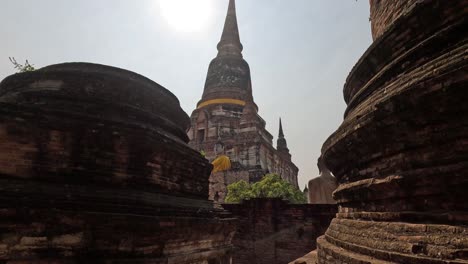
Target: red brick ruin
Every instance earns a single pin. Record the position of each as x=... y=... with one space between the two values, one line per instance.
x=272 y=231
x=96 y=165
x=226 y=121
x=401 y=154
x=95 y=168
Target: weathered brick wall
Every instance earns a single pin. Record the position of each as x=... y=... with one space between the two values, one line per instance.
x=384 y=12
x=248 y=145
x=220 y=180
x=105 y=135
x=94 y=168
x=275 y=232
x=400 y=155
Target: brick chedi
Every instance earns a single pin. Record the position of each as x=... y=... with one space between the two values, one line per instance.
x=95 y=168
x=401 y=154
x=226 y=121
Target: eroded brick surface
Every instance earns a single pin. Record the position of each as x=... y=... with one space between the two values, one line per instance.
x=95 y=168
x=401 y=154
x=384 y=13
x=276 y=232
x=226 y=121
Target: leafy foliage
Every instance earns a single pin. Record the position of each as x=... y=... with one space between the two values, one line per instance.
x=27 y=67
x=239 y=191
x=271 y=186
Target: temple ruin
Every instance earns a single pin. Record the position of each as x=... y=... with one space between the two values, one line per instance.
x=401 y=154
x=95 y=168
x=226 y=122
x=96 y=164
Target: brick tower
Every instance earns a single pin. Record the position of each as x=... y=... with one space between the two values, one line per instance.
x=226 y=121
x=401 y=154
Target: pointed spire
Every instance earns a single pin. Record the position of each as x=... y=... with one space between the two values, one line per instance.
x=281 y=134
x=281 y=144
x=230 y=41
x=228 y=74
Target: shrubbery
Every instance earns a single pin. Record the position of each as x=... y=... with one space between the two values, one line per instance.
x=271 y=186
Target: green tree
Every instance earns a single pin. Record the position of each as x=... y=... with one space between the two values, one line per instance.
x=27 y=67
x=238 y=191
x=271 y=186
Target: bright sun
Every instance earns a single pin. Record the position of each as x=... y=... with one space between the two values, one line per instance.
x=187 y=15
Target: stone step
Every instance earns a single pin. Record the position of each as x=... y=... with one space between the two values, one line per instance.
x=310 y=258
x=389 y=255
x=331 y=254
x=436 y=241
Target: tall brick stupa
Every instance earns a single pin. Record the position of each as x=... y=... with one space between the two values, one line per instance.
x=226 y=123
x=401 y=154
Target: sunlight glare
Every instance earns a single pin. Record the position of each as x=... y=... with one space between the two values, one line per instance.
x=187 y=15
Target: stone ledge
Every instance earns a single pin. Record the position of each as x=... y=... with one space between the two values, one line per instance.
x=310 y=258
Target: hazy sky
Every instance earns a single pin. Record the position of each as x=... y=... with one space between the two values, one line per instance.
x=300 y=52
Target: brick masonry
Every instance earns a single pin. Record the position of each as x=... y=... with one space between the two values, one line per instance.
x=95 y=168
x=275 y=232
x=383 y=13
x=401 y=154
x=235 y=129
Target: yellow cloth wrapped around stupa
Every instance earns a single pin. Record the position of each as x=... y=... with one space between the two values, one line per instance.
x=221 y=163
